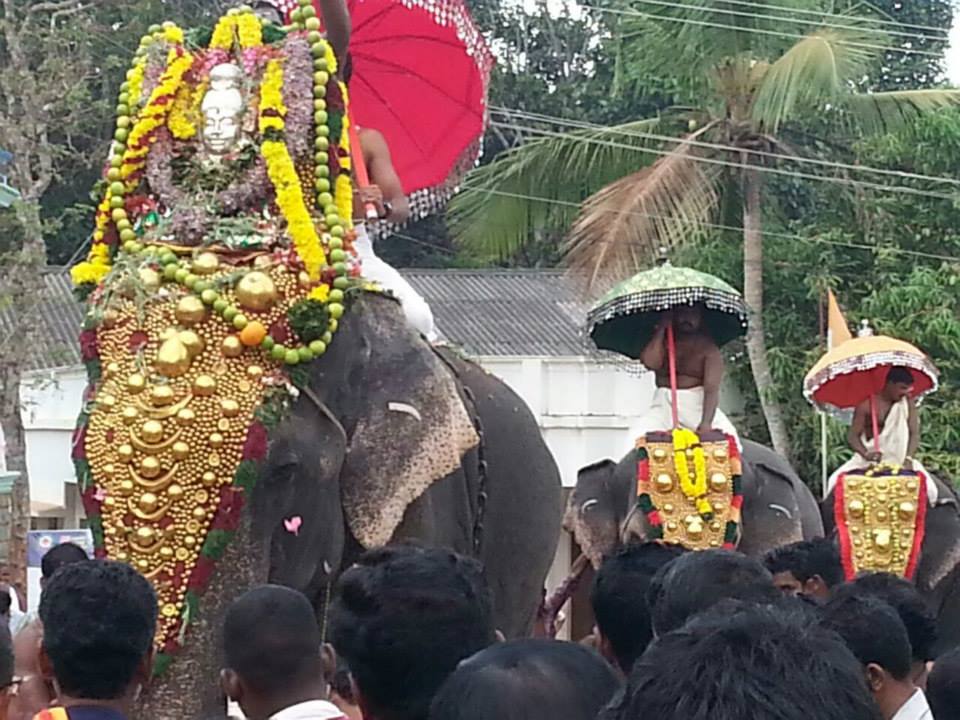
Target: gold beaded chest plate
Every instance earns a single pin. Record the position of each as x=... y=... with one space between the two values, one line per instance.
x=701 y=517
x=880 y=521
x=168 y=424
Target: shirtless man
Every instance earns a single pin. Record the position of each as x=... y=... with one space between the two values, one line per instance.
x=897 y=388
x=898 y=424
x=699 y=367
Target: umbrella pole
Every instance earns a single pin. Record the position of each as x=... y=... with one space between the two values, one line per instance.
x=360 y=167
x=672 y=363
x=876 y=423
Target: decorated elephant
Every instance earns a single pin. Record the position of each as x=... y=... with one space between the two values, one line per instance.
x=778 y=507
x=937 y=573
x=391 y=440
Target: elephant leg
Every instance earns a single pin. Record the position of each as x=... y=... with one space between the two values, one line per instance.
x=189 y=689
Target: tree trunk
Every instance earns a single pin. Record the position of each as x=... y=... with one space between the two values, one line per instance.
x=22 y=286
x=753 y=294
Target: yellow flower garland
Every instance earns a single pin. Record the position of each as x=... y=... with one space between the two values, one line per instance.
x=343 y=187
x=97 y=264
x=135 y=79
x=283 y=173
x=246 y=27
x=181 y=114
x=321 y=293
x=155 y=113
x=693 y=485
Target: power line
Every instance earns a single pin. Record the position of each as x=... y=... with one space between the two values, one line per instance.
x=783 y=18
x=719 y=226
x=534 y=117
x=802 y=11
x=736 y=28
x=739 y=166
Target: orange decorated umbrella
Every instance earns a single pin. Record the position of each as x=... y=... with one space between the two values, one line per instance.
x=856 y=370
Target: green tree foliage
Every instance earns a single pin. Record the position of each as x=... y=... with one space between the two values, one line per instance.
x=892 y=257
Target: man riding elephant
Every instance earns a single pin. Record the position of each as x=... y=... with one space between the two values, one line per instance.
x=699 y=375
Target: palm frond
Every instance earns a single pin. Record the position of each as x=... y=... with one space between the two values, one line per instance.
x=626 y=224
x=537 y=187
x=883 y=112
x=818 y=69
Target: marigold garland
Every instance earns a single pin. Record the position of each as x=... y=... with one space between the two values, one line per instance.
x=95 y=268
x=181 y=114
x=694 y=485
x=154 y=115
x=246 y=28
x=343 y=187
x=135 y=80
x=283 y=173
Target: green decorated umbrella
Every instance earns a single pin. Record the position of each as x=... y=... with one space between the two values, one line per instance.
x=624 y=319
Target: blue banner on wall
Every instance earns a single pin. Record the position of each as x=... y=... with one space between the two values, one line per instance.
x=40 y=541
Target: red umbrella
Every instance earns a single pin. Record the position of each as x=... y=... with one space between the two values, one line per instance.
x=420 y=74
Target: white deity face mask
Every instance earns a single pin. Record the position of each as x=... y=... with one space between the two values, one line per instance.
x=222 y=109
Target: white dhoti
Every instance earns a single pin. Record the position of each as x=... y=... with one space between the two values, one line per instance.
x=894 y=441
x=659 y=417
x=418 y=313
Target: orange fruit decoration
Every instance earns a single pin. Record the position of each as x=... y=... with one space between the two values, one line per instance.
x=253 y=334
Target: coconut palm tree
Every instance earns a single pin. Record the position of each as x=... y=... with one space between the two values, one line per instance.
x=749 y=73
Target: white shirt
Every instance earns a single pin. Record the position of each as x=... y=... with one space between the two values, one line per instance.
x=310 y=710
x=915 y=708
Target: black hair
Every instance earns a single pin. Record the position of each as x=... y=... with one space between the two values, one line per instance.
x=99 y=619
x=271 y=638
x=619 y=597
x=527 y=679
x=872 y=630
x=696 y=581
x=403 y=617
x=5 y=600
x=899 y=376
x=943 y=686
x=806 y=559
x=902 y=596
x=60 y=555
x=740 y=661
x=6 y=656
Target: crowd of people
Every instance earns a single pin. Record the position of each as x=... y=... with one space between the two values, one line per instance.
x=410 y=636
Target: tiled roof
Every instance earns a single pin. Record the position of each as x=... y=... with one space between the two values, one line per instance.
x=505 y=312
x=58 y=315
x=486 y=312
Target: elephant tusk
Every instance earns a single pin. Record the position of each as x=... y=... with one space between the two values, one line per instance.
x=588 y=504
x=405 y=408
x=782 y=509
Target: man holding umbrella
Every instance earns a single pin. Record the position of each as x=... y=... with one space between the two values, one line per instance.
x=699 y=374
x=674 y=320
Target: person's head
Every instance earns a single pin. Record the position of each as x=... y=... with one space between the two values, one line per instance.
x=99 y=619
x=696 y=581
x=269 y=10
x=943 y=686
x=58 y=556
x=527 y=679
x=913 y=610
x=876 y=636
x=403 y=617
x=808 y=567
x=273 y=652
x=899 y=384
x=619 y=599
x=688 y=318
x=746 y=662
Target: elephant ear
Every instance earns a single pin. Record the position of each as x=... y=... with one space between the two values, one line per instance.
x=413 y=427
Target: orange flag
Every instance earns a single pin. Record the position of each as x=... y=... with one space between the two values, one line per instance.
x=837 y=330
